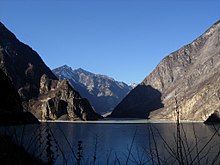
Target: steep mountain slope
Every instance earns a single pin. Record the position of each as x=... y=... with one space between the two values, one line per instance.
x=187 y=79
x=58 y=100
x=22 y=64
x=10 y=100
x=25 y=68
x=103 y=92
x=11 y=111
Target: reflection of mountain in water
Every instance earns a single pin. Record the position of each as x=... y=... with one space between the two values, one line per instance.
x=113 y=140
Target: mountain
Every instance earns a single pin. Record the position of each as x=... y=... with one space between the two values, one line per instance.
x=187 y=80
x=11 y=111
x=10 y=100
x=103 y=92
x=132 y=85
x=58 y=100
x=26 y=69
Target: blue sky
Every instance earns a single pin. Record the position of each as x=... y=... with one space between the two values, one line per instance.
x=124 y=39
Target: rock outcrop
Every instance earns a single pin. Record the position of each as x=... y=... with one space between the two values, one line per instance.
x=25 y=68
x=58 y=100
x=103 y=92
x=187 y=79
x=11 y=111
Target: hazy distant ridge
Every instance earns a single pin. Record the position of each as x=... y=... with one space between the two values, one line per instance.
x=103 y=92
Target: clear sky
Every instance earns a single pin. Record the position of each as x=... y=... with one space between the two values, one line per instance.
x=124 y=39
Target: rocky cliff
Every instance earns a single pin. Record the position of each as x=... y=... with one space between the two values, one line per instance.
x=25 y=68
x=103 y=92
x=11 y=111
x=58 y=100
x=22 y=64
x=187 y=79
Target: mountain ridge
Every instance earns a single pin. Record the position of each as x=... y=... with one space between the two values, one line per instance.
x=102 y=91
x=27 y=71
x=184 y=75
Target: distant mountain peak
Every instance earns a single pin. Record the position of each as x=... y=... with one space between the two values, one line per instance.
x=132 y=85
x=64 y=67
x=102 y=91
x=81 y=70
x=30 y=76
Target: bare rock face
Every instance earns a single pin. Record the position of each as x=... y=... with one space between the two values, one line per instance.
x=40 y=91
x=187 y=79
x=103 y=92
x=22 y=65
x=58 y=100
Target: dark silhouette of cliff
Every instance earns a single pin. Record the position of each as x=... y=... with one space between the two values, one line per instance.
x=139 y=103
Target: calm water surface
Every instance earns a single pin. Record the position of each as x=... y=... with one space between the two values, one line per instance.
x=119 y=143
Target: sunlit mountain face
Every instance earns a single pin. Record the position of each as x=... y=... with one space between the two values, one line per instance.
x=103 y=92
x=187 y=80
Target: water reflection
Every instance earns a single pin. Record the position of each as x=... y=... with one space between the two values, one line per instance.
x=119 y=143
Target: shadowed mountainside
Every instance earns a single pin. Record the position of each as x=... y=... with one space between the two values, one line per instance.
x=11 y=111
x=25 y=68
x=58 y=100
x=145 y=100
x=103 y=92
x=188 y=79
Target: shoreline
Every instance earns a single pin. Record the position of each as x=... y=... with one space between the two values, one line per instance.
x=120 y=121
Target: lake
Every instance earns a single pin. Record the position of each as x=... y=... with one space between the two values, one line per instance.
x=120 y=142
